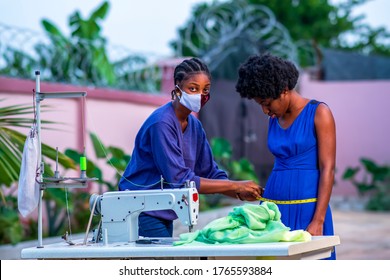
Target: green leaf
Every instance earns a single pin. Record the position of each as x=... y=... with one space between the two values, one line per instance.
x=101 y=12
x=118 y=163
x=246 y=165
x=92 y=169
x=53 y=30
x=221 y=148
x=349 y=173
x=64 y=160
x=370 y=165
x=116 y=152
x=362 y=187
x=379 y=173
x=100 y=149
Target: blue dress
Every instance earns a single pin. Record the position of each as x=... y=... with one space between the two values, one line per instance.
x=295 y=175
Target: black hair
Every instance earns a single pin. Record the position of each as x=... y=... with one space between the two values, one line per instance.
x=187 y=68
x=266 y=76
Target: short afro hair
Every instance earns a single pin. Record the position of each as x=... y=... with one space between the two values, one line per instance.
x=266 y=76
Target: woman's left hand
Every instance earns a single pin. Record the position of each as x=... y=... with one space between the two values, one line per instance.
x=315 y=228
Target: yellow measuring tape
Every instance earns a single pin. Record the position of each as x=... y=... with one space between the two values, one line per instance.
x=297 y=201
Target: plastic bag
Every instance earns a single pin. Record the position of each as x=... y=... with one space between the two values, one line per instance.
x=28 y=187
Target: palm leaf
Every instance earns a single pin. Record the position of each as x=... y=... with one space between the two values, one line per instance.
x=12 y=144
x=100 y=149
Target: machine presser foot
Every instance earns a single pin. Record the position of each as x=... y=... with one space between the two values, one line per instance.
x=67 y=240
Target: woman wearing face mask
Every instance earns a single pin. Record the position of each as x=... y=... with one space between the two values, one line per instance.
x=172 y=143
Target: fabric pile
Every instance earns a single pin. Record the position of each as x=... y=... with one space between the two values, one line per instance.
x=246 y=224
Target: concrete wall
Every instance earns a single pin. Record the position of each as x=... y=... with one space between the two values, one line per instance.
x=115 y=116
x=361 y=111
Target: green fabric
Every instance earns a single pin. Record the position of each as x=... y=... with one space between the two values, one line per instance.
x=246 y=224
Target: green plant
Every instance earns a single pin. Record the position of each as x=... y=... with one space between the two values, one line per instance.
x=82 y=57
x=373 y=182
x=12 y=143
x=241 y=169
x=78 y=201
x=11 y=230
x=11 y=151
x=311 y=25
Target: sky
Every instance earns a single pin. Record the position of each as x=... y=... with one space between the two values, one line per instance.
x=145 y=26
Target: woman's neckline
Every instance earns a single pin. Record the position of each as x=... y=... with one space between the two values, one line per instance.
x=292 y=123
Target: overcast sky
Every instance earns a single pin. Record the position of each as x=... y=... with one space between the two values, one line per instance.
x=145 y=26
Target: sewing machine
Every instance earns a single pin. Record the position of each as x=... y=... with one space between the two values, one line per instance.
x=119 y=210
x=118 y=229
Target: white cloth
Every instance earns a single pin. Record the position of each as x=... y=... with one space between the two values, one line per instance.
x=28 y=188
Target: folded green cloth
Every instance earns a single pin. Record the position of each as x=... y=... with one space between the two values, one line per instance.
x=249 y=223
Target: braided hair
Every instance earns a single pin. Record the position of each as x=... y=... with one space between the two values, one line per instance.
x=188 y=68
x=266 y=76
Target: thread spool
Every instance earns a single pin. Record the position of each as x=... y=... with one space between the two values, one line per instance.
x=83 y=163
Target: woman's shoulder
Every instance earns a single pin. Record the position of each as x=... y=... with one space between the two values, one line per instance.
x=320 y=105
x=316 y=102
x=161 y=117
x=323 y=112
x=163 y=112
x=195 y=121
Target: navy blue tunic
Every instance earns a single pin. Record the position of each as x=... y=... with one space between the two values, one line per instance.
x=162 y=149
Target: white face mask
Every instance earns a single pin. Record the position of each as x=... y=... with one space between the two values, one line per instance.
x=190 y=101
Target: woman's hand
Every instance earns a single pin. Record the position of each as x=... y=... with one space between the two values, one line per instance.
x=244 y=190
x=315 y=228
x=248 y=190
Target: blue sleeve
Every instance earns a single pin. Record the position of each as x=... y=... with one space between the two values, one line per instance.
x=168 y=156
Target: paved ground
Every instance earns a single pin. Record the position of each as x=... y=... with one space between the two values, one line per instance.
x=364 y=235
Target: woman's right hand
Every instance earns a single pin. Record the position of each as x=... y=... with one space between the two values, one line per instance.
x=244 y=190
x=248 y=190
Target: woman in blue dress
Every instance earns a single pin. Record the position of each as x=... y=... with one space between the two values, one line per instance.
x=301 y=136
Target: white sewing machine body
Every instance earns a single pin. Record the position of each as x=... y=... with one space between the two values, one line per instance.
x=120 y=210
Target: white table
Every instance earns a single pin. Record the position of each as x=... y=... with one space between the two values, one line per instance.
x=319 y=247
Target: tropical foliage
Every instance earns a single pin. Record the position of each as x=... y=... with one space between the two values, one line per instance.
x=12 y=143
x=326 y=24
x=11 y=151
x=372 y=181
x=67 y=210
x=241 y=169
x=312 y=25
x=82 y=57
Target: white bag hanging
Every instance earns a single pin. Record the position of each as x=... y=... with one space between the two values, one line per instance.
x=28 y=187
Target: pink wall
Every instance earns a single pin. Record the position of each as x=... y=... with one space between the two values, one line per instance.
x=115 y=116
x=361 y=111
